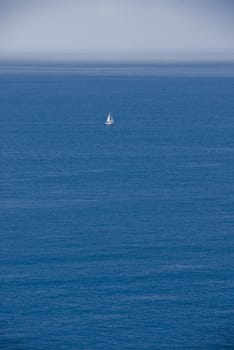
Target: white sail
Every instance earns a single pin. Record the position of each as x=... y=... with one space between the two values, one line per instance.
x=109 y=119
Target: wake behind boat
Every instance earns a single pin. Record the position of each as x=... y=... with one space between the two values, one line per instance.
x=109 y=119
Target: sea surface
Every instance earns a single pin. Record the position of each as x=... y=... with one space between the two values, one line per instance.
x=116 y=237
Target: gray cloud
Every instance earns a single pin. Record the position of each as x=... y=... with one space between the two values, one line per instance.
x=115 y=26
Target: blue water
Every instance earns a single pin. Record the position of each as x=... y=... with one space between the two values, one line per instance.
x=117 y=237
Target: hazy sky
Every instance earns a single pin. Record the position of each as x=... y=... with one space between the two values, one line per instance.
x=116 y=27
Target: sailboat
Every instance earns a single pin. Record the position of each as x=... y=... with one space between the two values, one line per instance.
x=109 y=119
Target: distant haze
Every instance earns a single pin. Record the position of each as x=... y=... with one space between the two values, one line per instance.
x=117 y=29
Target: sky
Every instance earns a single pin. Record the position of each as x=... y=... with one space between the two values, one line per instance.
x=167 y=29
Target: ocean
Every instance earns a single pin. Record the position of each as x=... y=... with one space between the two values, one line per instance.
x=116 y=237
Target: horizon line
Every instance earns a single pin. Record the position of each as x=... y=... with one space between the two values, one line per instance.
x=151 y=56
